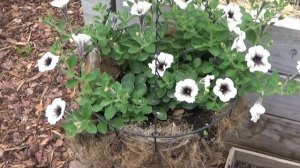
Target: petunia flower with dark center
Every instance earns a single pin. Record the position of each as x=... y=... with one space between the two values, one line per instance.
x=257 y=59
x=161 y=66
x=187 y=91
x=48 y=61
x=55 y=111
x=224 y=88
x=230 y=14
x=58 y=110
x=140 y=11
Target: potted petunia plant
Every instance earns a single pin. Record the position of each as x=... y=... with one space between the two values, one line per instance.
x=192 y=55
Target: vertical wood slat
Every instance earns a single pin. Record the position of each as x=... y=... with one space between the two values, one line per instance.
x=286 y=43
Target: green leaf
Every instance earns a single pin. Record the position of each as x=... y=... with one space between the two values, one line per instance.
x=230 y=73
x=207 y=68
x=197 y=62
x=72 y=83
x=251 y=36
x=87 y=110
x=205 y=133
x=70 y=128
x=102 y=127
x=91 y=128
x=162 y=115
x=122 y=107
x=127 y=82
x=128 y=78
x=136 y=66
x=93 y=75
x=139 y=90
x=97 y=107
x=213 y=4
x=146 y=109
x=140 y=79
x=161 y=92
x=105 y=51
x=134 y=50
x=215 y=51
x=128 y=87
x=72 y=61
x=150 y=48
x=212 y=105
x=105 y=103
x=118 y=122
x=110 y=112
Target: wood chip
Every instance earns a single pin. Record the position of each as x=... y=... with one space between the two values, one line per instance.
x=45 y=141
x=16 y=42
x=59 y=143
x=39 y=108
x=1 y=152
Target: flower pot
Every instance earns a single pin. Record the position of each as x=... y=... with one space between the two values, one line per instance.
x=244 y=158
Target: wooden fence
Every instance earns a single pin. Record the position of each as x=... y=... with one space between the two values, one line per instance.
x=278 y=131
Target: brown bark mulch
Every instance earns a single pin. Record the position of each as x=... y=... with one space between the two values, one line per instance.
x=26 y=138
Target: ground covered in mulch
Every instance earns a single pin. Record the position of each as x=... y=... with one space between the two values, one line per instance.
x=26 y=139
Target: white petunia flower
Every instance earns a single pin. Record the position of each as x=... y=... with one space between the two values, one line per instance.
x=186 y=90
x=182 y=3
x=257 y=59
x=233 y=15
x=81 y=39
x=55 y=111
x=256 y=110
x=238 y=42
x=140 y=8
x=239 y=45
x=163 y=62
x=254 y=117
x=47 y=62
x=59 y=3
x=125 y=3
x=298 y=66
x=239 y=33
x=206 y=81
x=225 y=89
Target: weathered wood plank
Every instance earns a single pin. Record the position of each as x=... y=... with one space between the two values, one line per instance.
x=286 y=43
x=278 y=105
x=257 y=159
x=270 y=134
